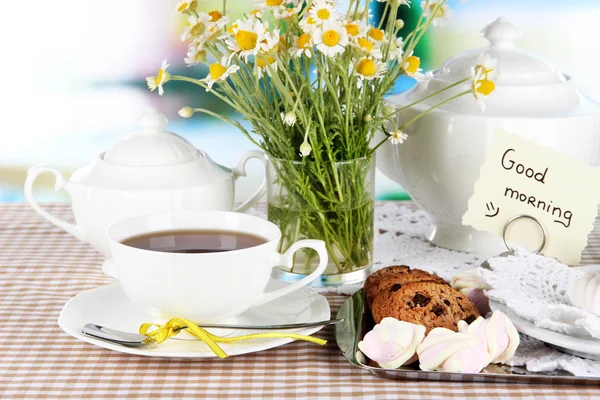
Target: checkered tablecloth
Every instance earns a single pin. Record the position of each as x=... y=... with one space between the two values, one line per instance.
x=41 y=267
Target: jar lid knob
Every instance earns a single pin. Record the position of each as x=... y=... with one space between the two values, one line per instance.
x=501 y=32
x=152 y=120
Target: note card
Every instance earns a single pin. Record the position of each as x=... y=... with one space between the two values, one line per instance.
x=522 y=177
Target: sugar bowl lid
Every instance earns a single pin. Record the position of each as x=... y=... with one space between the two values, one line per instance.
x=151 y=145
x=526 y=85
x=152 y=159
x=513 y=66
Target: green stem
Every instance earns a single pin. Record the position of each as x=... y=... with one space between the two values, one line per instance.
x=421 y=114
x=396 y=111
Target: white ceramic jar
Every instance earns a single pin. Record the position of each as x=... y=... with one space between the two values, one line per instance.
x=440 y=161
x=149 y=171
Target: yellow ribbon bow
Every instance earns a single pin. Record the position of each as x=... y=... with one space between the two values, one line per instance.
x=176 y=325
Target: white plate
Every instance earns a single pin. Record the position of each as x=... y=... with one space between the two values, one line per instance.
x=108 y=306
x=581 y=347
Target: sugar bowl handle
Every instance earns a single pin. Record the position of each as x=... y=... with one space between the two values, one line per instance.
x=287 y=259
x=60 y=182
x=240 y=170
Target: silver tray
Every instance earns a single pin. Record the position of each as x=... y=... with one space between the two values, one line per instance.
x=358 y=321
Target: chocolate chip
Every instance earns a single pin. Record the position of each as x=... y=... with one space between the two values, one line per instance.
x=470 y=319
x=461 y=307
x=382 y=231
x=446 y=302
x=421 y=300
x=395 y=287
x=399 y=233
x=410 y=305
x=438 y=310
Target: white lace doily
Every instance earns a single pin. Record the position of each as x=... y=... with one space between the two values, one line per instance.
x=400 y=239
x=535 y=288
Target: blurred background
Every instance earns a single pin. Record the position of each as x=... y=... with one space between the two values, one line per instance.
x=73 y=75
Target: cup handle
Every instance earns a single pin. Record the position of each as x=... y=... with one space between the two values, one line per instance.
x=240 y=170
x=286 y=259
x=32 y=175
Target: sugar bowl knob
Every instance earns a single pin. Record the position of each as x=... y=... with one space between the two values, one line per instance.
x=501 y=32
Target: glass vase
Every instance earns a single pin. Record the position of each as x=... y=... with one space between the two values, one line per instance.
x=333 y=202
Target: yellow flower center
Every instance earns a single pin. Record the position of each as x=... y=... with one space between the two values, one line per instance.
x=198 y=29
x=274 y=3
x=323 y=13
x=182 y=7
x=159 y=76
x=262 y=62
x=376 y=34
x=200 y=55
x=246 y=39
x=365 y=45
x=216 y=71
x=485 y=87
x=411 y=65
x=331 y=38
x=215 y=16
x=366 y=67
x=255 y=12
x=303 y=41
x=440 y=12
x=231 y=28
x=352 y=29
x=311 y=21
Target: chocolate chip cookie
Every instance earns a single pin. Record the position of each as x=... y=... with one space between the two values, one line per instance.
x=392 y=278
x=430 y=304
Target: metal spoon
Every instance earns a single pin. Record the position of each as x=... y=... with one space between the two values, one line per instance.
x=137 y=340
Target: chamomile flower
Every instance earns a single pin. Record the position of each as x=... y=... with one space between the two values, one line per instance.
x=215 y=27
x=331 y=39
x=355 y=29
x=186 y=112
x=269 y=4
x=305 y=148
x=249 y=37
x=439 y=13
x=396 y=49
x=289 y=118
x=369 y=47
x=197 y=26
x=322 y=11
x=286 y=12
x=215 y=15
x=398 y=137
x=160 y=79
x=481 y=80
x=487 y=65
x=368 y=69
x=195 y=55
x=302 y=45
x=411 y=67
x=376 y=34
x=308 y=24
x=218 y=72
x=186 y=6
x=255 y=14
x=265 y=64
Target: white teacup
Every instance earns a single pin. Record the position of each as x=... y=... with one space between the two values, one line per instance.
x=204 y=287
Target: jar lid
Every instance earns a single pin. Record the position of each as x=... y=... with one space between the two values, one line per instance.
x=151 y=145
x=525 y=84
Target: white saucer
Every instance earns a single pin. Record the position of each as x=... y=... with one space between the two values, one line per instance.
x=108 y=306
x=580 y=347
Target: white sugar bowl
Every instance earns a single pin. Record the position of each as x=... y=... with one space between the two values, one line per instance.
x=145 y=172
x=440 y=161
